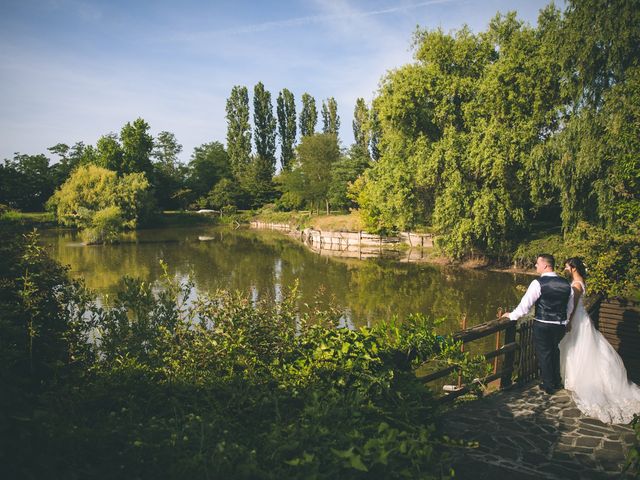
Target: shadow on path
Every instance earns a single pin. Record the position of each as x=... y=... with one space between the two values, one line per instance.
x=526 y=434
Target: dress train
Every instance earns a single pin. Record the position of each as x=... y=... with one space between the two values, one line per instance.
x=594 y=373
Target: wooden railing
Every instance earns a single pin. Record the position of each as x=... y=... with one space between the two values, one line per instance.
x=517 y=349
x=508 y=350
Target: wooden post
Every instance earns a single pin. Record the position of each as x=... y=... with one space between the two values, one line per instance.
x=464 y=327
x=509 y=357
x=495 y=360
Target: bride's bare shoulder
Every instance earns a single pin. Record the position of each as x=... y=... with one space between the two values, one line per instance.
x=578 y=285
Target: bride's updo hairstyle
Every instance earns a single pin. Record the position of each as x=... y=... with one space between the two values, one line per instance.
x=578 y=264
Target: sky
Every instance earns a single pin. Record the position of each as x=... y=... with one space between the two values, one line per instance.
x=74 y=70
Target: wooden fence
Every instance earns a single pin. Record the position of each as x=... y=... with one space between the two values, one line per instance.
x=507 y=350
x=618 y=320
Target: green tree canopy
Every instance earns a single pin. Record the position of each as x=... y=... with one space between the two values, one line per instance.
x=330 y=117
x=137 y=144
x=361 y=127
x=26 y=182
x=286 y=127
x=169 y=172
x=102 y=203
x=308 y=115
x=209 y=164
x=264 y=124
x=109 y=153
x=316 y=154
x=238 y=130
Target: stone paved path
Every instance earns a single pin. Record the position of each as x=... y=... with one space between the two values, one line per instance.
x=526 y=434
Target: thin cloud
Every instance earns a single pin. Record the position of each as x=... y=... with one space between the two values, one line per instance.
x=308 y=20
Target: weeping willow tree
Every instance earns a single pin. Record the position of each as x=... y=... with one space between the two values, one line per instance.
x=484 y=136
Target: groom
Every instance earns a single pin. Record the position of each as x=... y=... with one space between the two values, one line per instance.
x=553 y=297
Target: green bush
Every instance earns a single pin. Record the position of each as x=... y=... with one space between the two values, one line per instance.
x=99 y=201
x=632 y=465
x=105 y=227
x=165 y=386
x=612 y=260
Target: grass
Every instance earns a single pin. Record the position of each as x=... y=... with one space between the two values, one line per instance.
x=30 y=219
x=336 y=222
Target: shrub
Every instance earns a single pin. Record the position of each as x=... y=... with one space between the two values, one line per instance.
x=118 y=202
x=170 y=386
x=612 y=260
x=105 y=227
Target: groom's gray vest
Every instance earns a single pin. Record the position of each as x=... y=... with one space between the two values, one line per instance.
x=554 y=296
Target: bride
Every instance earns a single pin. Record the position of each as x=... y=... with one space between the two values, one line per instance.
x=592 y=370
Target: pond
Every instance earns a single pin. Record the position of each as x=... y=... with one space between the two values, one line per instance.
x=264 y=264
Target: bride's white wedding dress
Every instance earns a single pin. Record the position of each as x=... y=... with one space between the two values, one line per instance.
x=594 y=373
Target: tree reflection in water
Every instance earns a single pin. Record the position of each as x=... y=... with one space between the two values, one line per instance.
x=264 y=264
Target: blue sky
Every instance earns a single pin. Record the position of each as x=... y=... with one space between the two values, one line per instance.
x=73 y=70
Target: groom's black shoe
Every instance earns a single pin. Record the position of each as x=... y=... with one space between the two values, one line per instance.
x=545 y=389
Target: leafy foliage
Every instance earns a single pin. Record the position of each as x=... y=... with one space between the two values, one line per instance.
x=26 y=182
x=310 y=179
x=238 y=129
x=485 y=135
x=632 y=465
x=613 y=260
x=286 y=111
x=265 y=125
x=308 y=115
x=96 y=199
x=330 y=117
x=157 y=384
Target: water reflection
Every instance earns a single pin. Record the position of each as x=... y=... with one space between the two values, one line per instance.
x=265 y=264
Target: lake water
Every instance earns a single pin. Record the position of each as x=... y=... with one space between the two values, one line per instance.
x=263 y=264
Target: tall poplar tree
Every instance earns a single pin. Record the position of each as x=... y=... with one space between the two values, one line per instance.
x=330 y=117
x=238 y=130
x=360 y=124
x=308 y=116
x=286 y=127
x=376 y=133
x=264 y=124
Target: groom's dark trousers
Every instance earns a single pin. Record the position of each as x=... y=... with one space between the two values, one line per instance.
x=546 y=337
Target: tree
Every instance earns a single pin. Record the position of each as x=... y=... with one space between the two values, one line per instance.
x=238 y=130
x=361 y=133
x=137 y=145
x=69 y=159
x=101 y=203
x=330 y=117
x=308 y=115
x=109 y=153
x=375 y=132
x=169 y=173
x=26 y=182
x=599 y=43
x=316 y=156
x=286 y=127
x=344 y=172
x=265 y=124
x=166 y=149
x=209 y=164
x=225 y=193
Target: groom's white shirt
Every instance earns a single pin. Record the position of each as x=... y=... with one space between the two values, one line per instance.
x=532 y=296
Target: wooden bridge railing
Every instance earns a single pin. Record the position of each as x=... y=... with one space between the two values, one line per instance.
x=517 y=349
x=508 y=349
